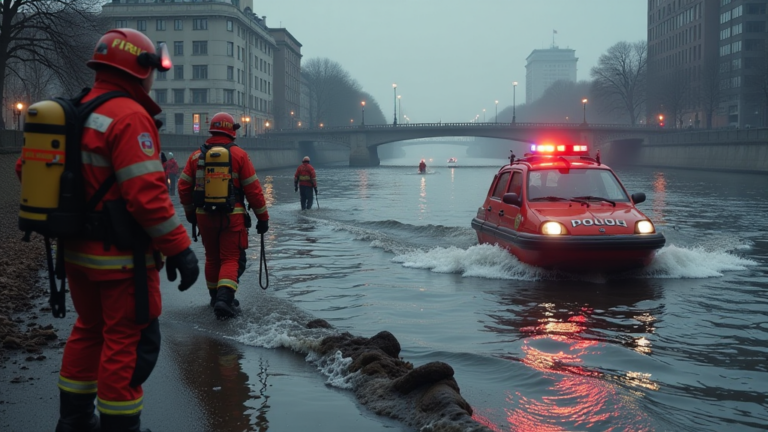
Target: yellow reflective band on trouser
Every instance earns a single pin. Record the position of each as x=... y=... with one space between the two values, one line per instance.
x=163 y=228
x=120 y=408
x=139 y=169
x=228 y=283
x=260 y=210
x=237 y=210
x=100 y=262
x=186 y=178
x=211 y=285
x=79 y=387
x=249 y=180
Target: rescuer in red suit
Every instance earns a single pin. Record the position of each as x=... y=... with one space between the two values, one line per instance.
x=422 y=166
x=306 y=180
x=172 y=172
x=115 y=341
x=225 y=235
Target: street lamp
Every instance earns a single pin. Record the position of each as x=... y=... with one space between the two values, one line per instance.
x=483 y=115
x=17 y=110
x=363 y=105
x=496 y=119
x=266 y=126
x=394 y=87
x=399 y=104
x=584 y=101
x=351 y=122
x=246 y=120
x=292 y=124
x=514 y=87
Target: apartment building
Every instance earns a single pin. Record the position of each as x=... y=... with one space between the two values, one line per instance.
x=546 y=66
x=705 y=59
x=287 y=79
x=223 y=60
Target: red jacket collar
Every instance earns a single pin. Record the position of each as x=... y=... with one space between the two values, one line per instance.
x=219 y=139
x=108 y=80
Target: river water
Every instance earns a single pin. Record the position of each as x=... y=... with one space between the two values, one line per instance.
x=678 y=346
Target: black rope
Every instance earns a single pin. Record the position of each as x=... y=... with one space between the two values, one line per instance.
x=263 y=264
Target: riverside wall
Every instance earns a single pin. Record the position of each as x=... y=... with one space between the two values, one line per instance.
x=265 y=153
x=733 y=150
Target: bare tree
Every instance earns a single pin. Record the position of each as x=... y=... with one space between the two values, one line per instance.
x=56 y=34
x=709 y=91
x=674 y=93
x=620 y=78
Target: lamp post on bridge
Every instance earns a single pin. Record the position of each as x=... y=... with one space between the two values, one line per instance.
x=514 y=103
x=363 y=105
x=17 y=110
x=399 y=105
x=584 y=101
x=484 y=115
x=496 y=119
x=394 y=87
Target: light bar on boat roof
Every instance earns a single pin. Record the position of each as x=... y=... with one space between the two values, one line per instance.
x=558 y=149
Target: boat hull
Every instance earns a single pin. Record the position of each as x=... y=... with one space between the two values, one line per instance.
x=593 y=253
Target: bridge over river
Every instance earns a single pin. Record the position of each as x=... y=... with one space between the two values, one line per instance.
x=364 y=140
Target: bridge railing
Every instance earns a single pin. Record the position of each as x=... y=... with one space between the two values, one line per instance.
x=471 y=125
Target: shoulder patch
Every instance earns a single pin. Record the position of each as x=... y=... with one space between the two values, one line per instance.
x=146 y=144
x=98 y=122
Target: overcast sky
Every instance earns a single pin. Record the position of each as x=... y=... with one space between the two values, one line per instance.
x=451 y=58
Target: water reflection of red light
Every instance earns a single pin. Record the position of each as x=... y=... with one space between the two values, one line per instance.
x=659 y=197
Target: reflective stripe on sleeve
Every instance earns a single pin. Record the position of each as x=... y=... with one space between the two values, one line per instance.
x=95 y=159
x=99 y=262
x=120 y=407
x=185 y=178
x=260 y=210
x=139 y=169
x=228 y=283
x=79 y=387
x=163 y=228
x=249 y=180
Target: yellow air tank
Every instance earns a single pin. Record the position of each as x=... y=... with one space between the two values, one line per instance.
x=218 y=180
x=42 y=158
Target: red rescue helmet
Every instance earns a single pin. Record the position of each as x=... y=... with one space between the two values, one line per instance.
x=224 y=123
x=130 y=51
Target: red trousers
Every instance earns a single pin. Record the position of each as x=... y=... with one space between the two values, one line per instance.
x=225 y=240
x=107 y=349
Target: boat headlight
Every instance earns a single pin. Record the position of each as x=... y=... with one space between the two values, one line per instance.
x=644 y=227
x=553 y=228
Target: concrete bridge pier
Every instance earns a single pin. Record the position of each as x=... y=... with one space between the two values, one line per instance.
x=360 y=155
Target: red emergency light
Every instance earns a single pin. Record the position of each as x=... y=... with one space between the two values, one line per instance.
x=559 y=149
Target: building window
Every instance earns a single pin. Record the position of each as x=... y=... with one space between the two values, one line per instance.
x=161 y=96
x=178 y=24
x=755 y=9
x=162 y=75
x=736 y=30
x=230 y=49
x=230 y=25
x=200 y=96
x=755 y=27
x=160 y=25
x=229 y=97
x=178 y=72
x=230 y=73
x=178 y=96
x=179 y=117
x=737 y=12
x=141 y=25
x=200 y=72
x=178 y=48
x=199 y=47
x=736 y=47
x=121 y=23
x=200 y=24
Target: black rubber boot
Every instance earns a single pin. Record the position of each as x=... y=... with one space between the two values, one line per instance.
x=225 y=306
x=213 y=293
x=121 y=423
x=76 y=413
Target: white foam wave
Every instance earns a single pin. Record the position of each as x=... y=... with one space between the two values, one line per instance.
x=673 y=262
x=493 y=262
x=275 y=331
x=336 y=368
x=485 y=261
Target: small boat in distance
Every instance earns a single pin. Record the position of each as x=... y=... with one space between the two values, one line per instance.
x=452 y=162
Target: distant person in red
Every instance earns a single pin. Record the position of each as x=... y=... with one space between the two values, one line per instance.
x=422 y=167
x=172 y=172
x=305 y=179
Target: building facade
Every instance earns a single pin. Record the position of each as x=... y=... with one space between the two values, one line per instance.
x=705 y=62
x=223 y=60
x=287 y=79
x=546 y=66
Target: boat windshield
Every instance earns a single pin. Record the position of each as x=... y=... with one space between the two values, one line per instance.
x=596 y=184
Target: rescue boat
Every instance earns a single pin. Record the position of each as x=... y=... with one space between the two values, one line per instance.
x=452 y=162
x=559 y=208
